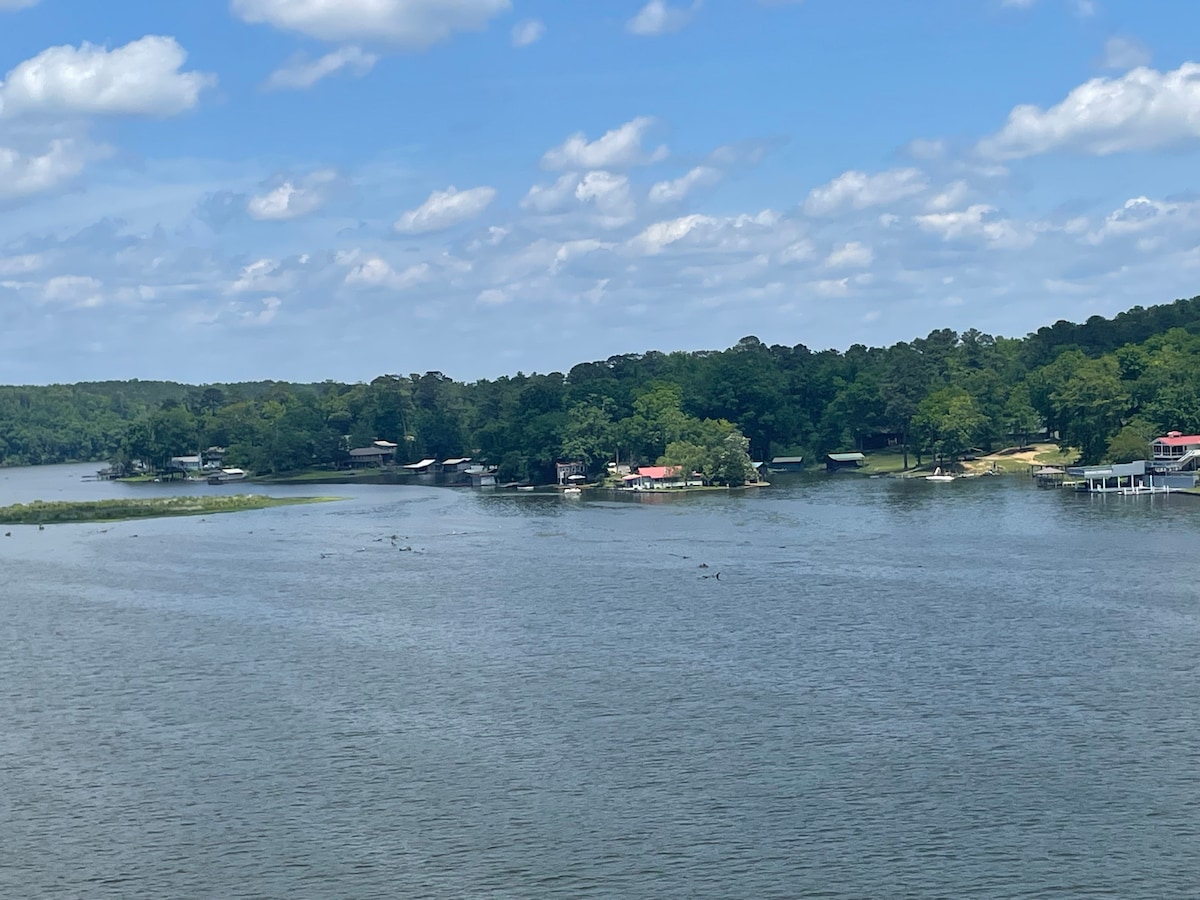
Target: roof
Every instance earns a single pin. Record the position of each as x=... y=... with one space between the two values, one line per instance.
x=420 y=465
x=794 y=460
x=385 y=445
x=658 y=471
x=369 y=451
x=846 y=457
x=1175 y=439
x=185 y=459
x=1116 y=470
x=456 y=462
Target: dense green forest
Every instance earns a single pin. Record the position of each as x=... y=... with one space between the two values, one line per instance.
x=1103 y=387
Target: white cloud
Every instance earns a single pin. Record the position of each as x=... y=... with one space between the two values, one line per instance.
x=21 y=265
x=802 y=250
x=408 y=24
x=143 y=78
x=260 y=276
x=528 y=32
x=1141 y=110
x=927 y=149
x=445 y=209
x=609 y=194
x=300 y=73
x=73 y=290
x=619 y=148
x=293 y=198
x=851 y=255
x=976 y=221
x=14 y=5
x=375 y=272
x=1137 y=215
x=270 y=308
x=658 y=17
x=950 y=198
x=678 y=189
x=1125 y=53
x=549 y=198
x=22 y=175
x=494 y=297
x=858 y=190
x=657 y=237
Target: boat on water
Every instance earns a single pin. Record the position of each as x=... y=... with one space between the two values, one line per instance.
x=524 y=487
x=225 y=476
x=938 y=475
x=572 y=492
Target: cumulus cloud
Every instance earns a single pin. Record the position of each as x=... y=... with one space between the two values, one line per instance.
x=851 y=255
x=20 y=265
x=858 y=190
x=977 y=222
x=266 y=313
x=142 y=78
x=445 y=209
x=406 y=24
x=658 y=17
x=293 y=198
x=1125 y=53
x=23 y=175
x=376 y=272
x=657 y=237
x=1142 y=110
x=301 y=73
x=678 y=189
x=616 y=149
x=550 y=198
x=1137 y=215
x=528 y=32
x=609 y=194
x=73 y=290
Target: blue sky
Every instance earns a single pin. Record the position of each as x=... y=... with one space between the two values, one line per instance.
x=306 y=189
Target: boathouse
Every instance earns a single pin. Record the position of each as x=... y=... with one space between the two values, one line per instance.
x=786 y=464
x=835 y=462
x=1113 y=479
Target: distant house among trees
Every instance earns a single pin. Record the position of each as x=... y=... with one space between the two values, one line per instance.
x=380 y=453
x=565 y=470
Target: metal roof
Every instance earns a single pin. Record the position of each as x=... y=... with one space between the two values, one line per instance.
x=420 y=465
x=788 y=459
x=658 y=471
x=1175 y=439
x=456 y=462
x=846 y=457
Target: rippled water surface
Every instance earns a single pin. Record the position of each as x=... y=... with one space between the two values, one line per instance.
x=973 y=689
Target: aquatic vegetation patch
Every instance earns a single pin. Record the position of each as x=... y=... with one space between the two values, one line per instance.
x=57 y=512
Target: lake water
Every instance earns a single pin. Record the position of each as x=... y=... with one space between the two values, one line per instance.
x=974 y=689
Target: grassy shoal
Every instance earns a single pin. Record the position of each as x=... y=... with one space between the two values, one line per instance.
x=59 y=512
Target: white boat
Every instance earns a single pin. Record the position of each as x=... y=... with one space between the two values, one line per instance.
x=572 y=492
x=224 y=476
x=938 y=476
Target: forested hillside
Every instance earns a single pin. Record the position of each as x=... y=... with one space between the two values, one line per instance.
x=1104 y=386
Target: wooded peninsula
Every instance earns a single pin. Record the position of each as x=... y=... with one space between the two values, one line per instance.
x=1104 y=388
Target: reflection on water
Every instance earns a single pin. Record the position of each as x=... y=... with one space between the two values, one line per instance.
x=973 y=689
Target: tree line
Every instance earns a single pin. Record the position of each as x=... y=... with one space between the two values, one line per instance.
x=1103 y=387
